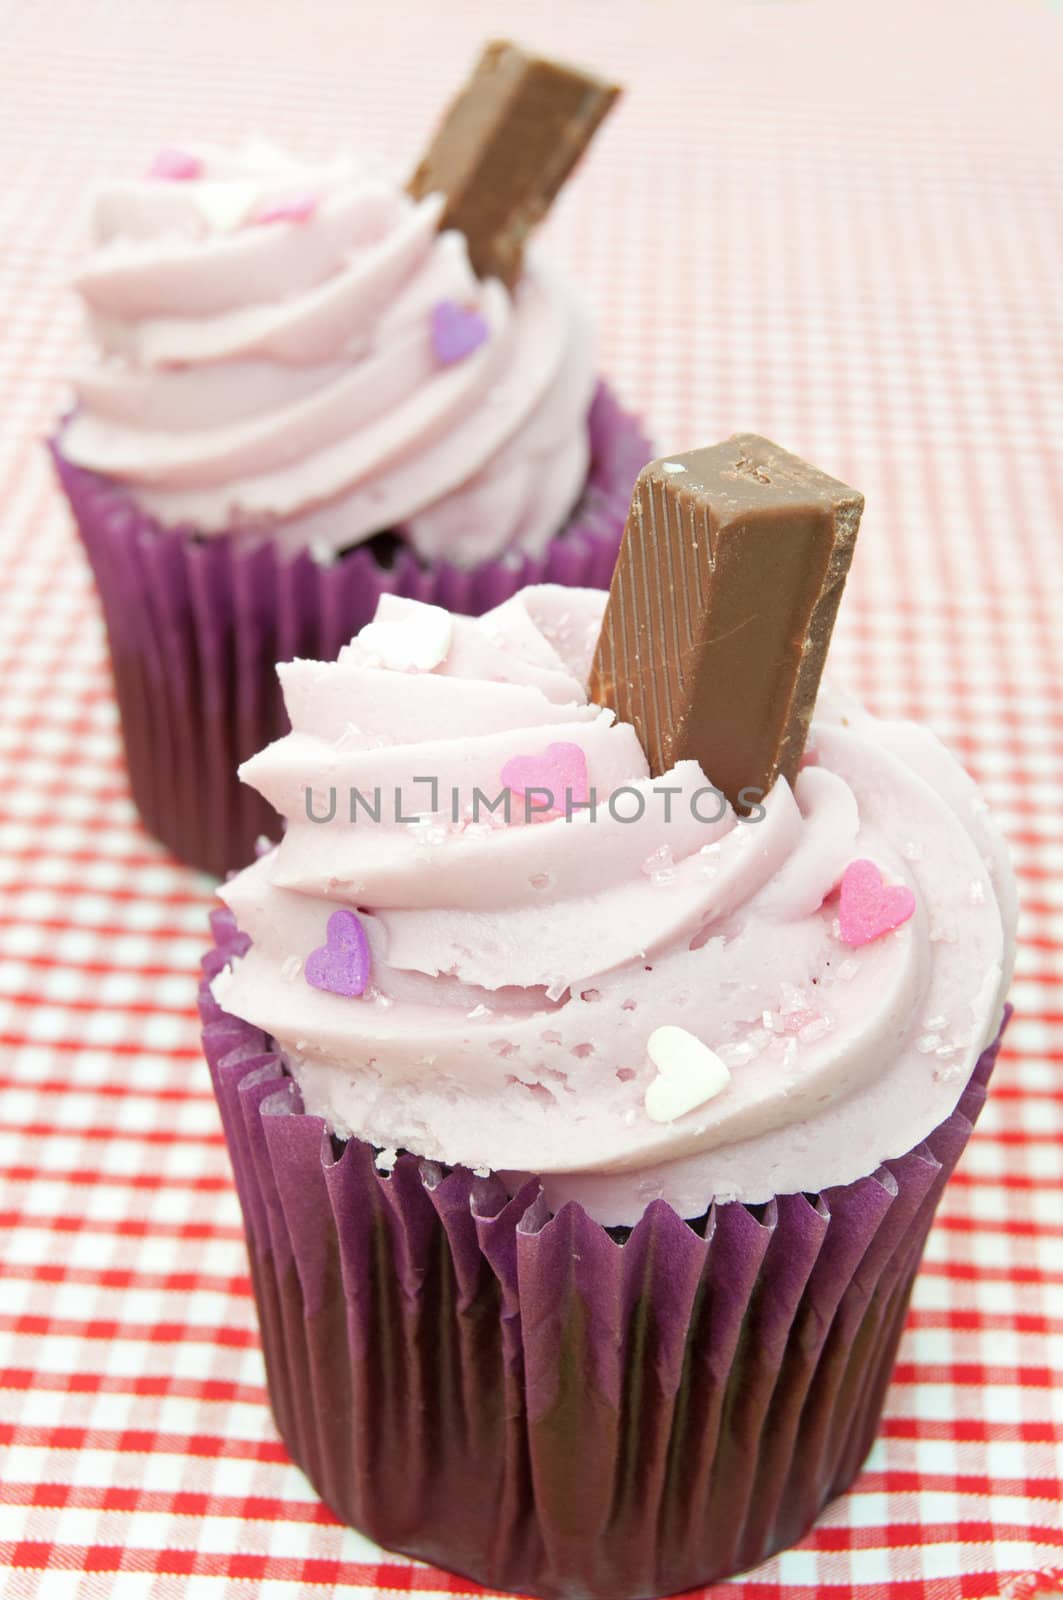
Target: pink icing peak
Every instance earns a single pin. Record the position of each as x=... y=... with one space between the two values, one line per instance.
x=456 y=332
x=561 y=769
x=175 y=166
x=341 y=965
x=289 y=371
x=294 y=208
x=868 y=908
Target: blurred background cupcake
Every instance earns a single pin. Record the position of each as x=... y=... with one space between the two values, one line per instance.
x=313 y=386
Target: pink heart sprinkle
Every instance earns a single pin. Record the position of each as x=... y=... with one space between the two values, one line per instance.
x=868 y=908
x=174 y=165
x=341 y=965
x=456 y=332
x=296 y=208
x=561 y=770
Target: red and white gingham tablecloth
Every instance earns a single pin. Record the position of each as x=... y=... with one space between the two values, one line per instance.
x=837 y=225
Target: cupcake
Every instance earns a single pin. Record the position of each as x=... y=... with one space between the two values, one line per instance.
x=312 y=387
x=589 y=1115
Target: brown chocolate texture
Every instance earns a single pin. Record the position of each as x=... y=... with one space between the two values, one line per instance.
x=721 y=610
x=505 y=147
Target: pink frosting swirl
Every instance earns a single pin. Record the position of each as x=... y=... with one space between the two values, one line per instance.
x=266 y=361
x=519 y=971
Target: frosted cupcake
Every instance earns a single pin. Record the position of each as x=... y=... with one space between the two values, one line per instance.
x=588 y=1126
x=305 y=397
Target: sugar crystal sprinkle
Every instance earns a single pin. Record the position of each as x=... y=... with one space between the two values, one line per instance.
x=659 y=866
x=813 y=1031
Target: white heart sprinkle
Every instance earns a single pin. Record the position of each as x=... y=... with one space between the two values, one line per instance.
x=226 y=206
x=414 y=644
x=688 y=1074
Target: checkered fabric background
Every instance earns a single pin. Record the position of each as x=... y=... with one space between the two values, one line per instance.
x=839 y=227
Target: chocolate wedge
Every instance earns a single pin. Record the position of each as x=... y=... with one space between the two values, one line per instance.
x=721 y=609
x=505 y=147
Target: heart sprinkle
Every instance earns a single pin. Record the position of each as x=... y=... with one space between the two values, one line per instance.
x=412 y=644
x=226 y=206
x=175 y=166
x=868 y=908
x=296 y=208
x=341 y=965
x=561 y=771
x=688 y=1074
x=456 y=332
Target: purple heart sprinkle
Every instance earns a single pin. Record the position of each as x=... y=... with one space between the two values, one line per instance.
x=456 y=332
x=341 y=965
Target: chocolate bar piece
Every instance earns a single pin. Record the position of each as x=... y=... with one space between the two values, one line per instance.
x=505 y=147
x=721 y=610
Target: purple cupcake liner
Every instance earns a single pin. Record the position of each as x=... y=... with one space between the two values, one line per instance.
x=196 y=627
x=545 y=1405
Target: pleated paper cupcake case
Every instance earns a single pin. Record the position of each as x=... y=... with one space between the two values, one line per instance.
x=543 y=1405
x=196 y=627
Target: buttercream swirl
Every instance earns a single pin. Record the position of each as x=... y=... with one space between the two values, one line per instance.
x=518 y=971
x=266 y=362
